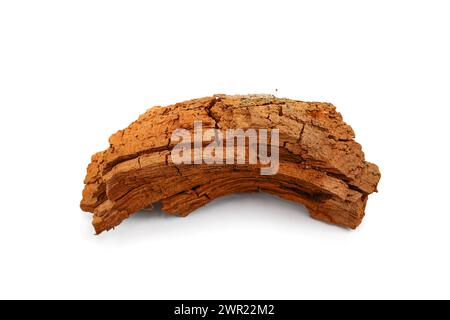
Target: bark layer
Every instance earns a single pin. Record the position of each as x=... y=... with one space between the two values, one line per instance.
x=321 y=165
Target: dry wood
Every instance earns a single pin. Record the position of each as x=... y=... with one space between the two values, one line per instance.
x=321 y=166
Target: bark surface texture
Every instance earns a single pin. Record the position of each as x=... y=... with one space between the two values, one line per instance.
x=321 y=165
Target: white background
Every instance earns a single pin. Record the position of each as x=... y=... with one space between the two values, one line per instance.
x=74 y=72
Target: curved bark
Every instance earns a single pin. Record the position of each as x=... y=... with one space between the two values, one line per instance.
x=321 y=166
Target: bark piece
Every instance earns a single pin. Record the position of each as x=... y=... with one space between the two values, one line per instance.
x=321 y=165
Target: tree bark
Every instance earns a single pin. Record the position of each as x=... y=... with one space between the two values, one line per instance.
x=321 y=165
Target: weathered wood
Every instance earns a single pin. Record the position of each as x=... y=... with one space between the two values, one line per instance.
x=321 y=166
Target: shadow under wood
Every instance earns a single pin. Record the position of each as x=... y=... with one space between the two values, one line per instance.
x=240 y=210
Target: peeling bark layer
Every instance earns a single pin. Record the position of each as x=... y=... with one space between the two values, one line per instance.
x=321 y=165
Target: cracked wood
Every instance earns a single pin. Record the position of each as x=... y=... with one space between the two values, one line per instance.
x=321 y=165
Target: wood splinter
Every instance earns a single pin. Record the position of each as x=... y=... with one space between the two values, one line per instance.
x=320 y=164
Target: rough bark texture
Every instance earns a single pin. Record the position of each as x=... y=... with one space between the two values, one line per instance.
x=321 y=166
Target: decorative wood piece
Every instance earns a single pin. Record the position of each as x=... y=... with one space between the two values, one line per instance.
x=320 y=164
